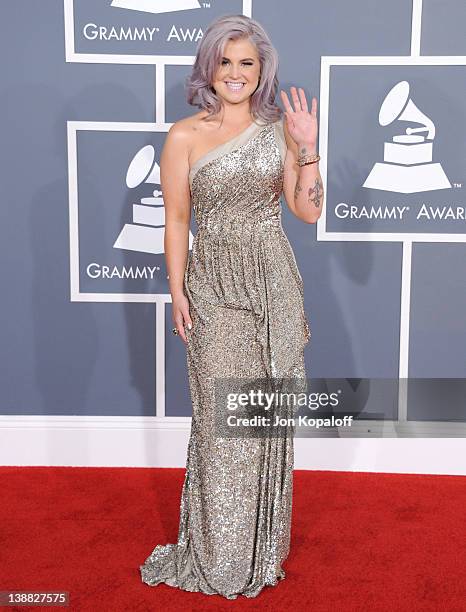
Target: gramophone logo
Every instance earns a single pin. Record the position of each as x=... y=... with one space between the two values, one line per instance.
x=146 y=233
x=407 y=165
x=156 y=6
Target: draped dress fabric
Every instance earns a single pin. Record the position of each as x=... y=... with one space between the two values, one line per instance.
x=245 y=297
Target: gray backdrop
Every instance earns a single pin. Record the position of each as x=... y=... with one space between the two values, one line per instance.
x=87 y=345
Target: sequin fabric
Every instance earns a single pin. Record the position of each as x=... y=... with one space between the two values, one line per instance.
x=246 y=304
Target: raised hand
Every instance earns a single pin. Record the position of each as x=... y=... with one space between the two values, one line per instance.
x=301 y=124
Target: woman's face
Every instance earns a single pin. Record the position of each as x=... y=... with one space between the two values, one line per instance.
x=238 y=73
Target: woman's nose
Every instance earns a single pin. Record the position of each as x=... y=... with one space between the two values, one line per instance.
x=234 y=72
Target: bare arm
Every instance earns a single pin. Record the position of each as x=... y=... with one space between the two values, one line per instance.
x=302 y=185
x=174 y=171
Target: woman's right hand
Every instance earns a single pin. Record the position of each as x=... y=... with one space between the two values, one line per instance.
x=180 y=314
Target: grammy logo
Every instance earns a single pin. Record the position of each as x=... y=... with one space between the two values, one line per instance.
x=146 y=233
x=407 y=165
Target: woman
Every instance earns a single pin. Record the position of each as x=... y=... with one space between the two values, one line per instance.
x=237 y=302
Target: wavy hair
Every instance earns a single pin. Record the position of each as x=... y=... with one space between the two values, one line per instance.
x=210 y=50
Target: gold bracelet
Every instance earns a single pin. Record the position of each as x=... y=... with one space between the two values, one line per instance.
x=304 y=160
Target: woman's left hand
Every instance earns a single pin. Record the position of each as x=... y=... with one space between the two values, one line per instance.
x=302 y=124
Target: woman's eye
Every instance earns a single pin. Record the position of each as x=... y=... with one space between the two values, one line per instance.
x=244 y=63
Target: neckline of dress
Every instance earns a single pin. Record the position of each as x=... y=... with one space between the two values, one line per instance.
x=256 y=123
x=224 y=143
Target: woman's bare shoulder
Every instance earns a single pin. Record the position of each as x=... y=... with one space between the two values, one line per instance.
x=187 y=135
x=188 y=128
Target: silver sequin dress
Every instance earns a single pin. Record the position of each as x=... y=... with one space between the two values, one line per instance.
x=246 y=304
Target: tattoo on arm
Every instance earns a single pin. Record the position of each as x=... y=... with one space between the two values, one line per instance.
x=315 y=193
x=297 y=189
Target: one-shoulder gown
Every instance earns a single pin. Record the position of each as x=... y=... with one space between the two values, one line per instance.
x=245 y=297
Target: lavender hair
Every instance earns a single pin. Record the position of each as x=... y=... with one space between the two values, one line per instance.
x=200 y=92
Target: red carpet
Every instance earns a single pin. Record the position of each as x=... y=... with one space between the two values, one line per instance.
x=360 y=541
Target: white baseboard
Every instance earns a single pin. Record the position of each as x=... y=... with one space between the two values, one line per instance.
x=162 y=442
